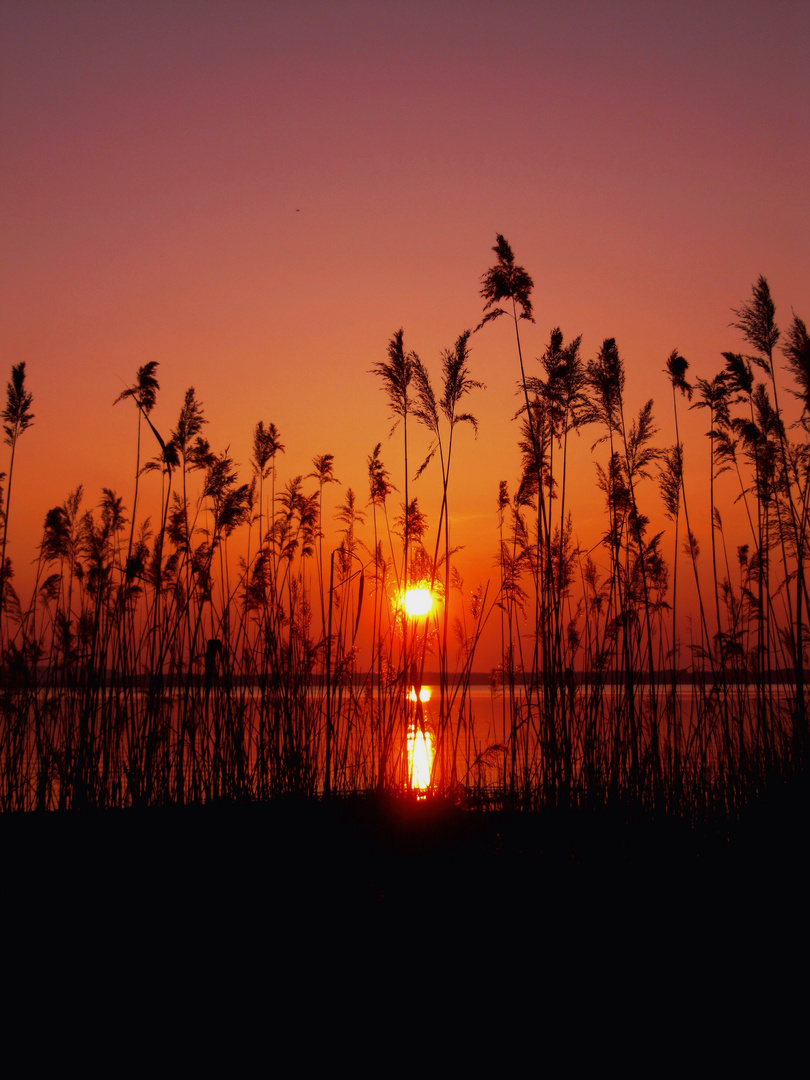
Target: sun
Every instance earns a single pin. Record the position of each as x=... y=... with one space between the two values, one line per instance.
x=417 y=602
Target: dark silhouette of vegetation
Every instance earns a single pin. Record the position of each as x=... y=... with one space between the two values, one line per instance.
x=213 y=650
x=17 y=418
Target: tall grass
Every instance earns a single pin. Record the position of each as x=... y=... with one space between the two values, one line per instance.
x=217 y=649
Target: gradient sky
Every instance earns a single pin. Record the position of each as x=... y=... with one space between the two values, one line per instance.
x=257 y=195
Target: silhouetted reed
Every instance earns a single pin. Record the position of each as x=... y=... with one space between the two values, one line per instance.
x=215 y=649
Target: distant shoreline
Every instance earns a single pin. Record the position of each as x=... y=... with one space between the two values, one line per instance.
x=783 y=677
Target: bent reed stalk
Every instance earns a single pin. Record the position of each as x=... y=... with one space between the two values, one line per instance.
x=141 y=672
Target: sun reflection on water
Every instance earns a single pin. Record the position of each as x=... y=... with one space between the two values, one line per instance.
x=420 y=745
x=420 y=757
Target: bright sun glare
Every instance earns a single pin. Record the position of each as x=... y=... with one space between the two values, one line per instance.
x=417 y=602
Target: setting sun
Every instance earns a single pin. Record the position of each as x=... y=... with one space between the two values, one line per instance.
x=417 y=602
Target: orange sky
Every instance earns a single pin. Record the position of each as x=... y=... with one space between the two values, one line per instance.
x=257 y=195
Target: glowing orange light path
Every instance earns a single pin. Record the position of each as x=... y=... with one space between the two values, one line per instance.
x=420 y=758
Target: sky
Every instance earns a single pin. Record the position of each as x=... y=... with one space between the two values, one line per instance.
x=257 y=195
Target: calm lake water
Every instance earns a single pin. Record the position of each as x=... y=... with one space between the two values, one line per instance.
x=218 y=736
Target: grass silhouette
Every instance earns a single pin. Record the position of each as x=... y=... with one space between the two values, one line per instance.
x=214 y=657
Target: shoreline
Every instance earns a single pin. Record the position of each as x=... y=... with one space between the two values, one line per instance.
x=374 y=850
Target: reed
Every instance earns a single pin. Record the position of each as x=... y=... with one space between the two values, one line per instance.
x=17 y=418
x=212 y=650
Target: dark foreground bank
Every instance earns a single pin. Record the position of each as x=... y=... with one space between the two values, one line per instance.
x=292 y=910
x=380 y=852
x=263 y=923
